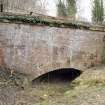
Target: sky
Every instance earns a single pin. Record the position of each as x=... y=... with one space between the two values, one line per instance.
x=51 y=7
x=84 y=11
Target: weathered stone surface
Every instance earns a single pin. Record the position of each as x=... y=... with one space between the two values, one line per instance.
x=35 y=50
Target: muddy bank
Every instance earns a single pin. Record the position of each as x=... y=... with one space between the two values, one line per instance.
x=14 y=92
x=87 y=89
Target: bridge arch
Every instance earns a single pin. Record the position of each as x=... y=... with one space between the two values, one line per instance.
x=62 y=74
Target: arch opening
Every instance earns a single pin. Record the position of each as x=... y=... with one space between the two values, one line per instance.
x=58 y=76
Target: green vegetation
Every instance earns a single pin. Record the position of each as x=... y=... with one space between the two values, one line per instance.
x=62 y=11
x=48 y=21
x=71 y=7
x=103 y=53
x=68 y=9
x=98 y=11
x=38 y=20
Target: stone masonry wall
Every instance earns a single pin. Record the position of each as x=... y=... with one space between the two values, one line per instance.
x=35 y=50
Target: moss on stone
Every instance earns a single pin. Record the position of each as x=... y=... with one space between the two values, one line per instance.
x=48 y=21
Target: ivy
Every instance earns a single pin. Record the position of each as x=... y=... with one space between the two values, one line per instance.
x=38 y=20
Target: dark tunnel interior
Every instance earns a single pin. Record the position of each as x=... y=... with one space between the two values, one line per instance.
x=59 y=75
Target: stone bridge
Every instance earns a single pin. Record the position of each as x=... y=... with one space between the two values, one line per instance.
x=36 y=49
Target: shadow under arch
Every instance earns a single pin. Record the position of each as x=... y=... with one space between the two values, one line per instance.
x=59 y=75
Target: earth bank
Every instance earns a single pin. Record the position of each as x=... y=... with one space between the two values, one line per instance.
x=87 y=89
